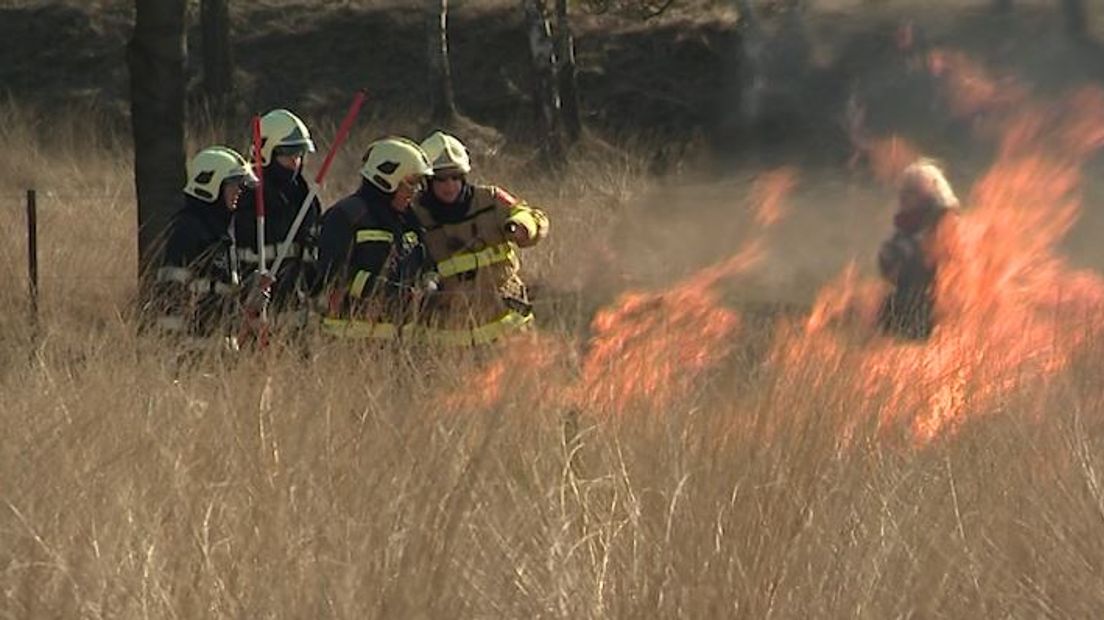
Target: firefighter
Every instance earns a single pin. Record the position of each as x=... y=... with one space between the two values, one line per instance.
x=285 y=142
x=197 y=283
x=472 y=233
x=909 y=260
x=370 y=252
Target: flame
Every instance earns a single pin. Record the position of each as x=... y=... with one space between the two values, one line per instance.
x=1082 y=132
x=526 y=367
x=969 y=88
x=769 y=192
x=1011 y=312
x=648 y=349
x=848 y=301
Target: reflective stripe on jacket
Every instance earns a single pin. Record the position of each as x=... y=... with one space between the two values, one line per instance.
x=476 y=258
x=510 y=322
x=370 y=258
x=196 y=286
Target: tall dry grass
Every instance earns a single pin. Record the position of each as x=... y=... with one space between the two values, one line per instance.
x=342 y=486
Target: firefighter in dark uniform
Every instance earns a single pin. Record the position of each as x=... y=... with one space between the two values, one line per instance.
x=285 y=142
x=924 y=229
x=370 y=252
x=196 y=285
x=472 y=234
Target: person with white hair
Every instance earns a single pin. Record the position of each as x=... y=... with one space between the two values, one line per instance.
x=910 y=258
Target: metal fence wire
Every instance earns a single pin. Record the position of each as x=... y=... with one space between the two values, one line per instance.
x=55 y=239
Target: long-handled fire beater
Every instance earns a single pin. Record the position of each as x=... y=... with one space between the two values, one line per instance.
x=255 y=309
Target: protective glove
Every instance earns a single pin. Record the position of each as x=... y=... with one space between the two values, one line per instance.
x=430 y=282
x=258 y=293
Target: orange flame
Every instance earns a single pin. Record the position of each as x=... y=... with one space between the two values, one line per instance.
x=969 y=88
x=1011 y=312
x=1082 y=131
x=769 y=192
x=847 y=301
x=525 y=366
x=649 y=348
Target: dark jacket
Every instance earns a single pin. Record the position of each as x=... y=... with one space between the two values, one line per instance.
x=196 y=285
x=909 y=263
x=369 y=258
x=284 y=193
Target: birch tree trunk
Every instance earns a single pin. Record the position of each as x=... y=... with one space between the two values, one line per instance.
x=441 y=93
x=155 y=57
x=746 y=12
x=752 y=77
x=567 y=73
x=545 y=92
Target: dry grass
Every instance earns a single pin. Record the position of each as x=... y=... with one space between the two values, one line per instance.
x=267 y=486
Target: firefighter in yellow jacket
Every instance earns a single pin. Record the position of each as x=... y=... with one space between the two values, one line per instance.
x=472 y=234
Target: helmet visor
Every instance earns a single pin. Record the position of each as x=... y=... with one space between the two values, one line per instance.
x=449 y=175
x=247 y=179
x=292 y=150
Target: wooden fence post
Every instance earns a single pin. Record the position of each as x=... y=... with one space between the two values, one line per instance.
x=32 y=255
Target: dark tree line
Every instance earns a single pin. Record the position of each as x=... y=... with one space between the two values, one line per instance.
x=1075 y=14
x=156 y=58
x=218 y=56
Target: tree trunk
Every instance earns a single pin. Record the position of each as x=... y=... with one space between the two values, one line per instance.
x=218 y=59
x=1076 y=17
x=568 y=72
x=155 y=57
x=545 y=93
x=442 y=96
x=752 y=72
x=746 y=13
x=728 y=104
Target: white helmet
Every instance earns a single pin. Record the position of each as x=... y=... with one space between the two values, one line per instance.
x=447 y=153
x=280 y=129
x=389 y=161
x=212 y=167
